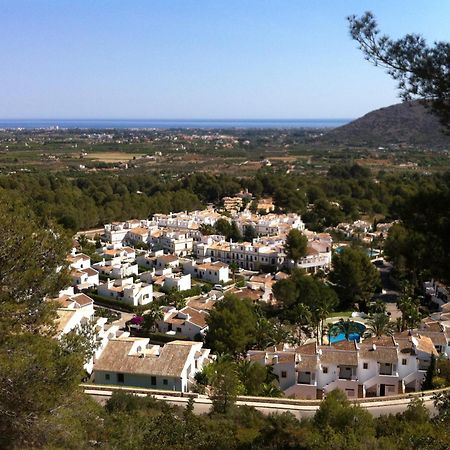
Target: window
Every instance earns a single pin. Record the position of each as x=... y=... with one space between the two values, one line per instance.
x=325 y=369
x=404 y=362
x=178 y=330
x=120 y=378
x=365 y=365
x=283 y=374
x=107 y=376
x=165 y=382
x=153 y=381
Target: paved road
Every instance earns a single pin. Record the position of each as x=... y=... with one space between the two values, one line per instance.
x=203 y=405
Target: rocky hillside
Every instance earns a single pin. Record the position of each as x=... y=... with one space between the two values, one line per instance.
x=408 y=123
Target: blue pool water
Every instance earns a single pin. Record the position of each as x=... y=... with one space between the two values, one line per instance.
x=370 y=253
x=352 y=337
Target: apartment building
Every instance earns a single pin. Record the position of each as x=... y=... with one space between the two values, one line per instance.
x=375 y=367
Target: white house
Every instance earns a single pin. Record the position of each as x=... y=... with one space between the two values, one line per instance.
x=127 y=290
x=75 y=311
x=214 y=272
x=114 y=268
x=134 y=362
x=84 y=278
x=187 y=322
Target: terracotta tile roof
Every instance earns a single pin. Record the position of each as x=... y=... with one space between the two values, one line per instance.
x=89 y=271
x=170 y=362
x=64 y=316
x=425 y=344
x=82 y=299
x=307 y=349
x=432 y=326
x=139 y=230
x=307 y=363
x=310 y=251
x=200 y=303
x=382 y=341
x=344 y=345
x=338 y=357
x=167 y=258
x=78 y=257
x=251 y=294
x=379 y=354
x=438 y=337
x=405 y=345
x=196 y=317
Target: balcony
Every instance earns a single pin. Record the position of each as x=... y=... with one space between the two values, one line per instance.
x=305 y=378
x=347 y=373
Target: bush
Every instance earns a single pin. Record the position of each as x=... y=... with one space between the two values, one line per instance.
x=110 y=303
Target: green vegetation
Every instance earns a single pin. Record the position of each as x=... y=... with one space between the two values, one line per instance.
x=130 y=422
x=296 y=245
x=421 y=71
x=354 y=277
x=231 y=326
x=305 y=303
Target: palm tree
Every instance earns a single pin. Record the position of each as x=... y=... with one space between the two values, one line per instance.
x=346 y=327
x=271 y=390
x=234 y=268
x=379 y=325
x=151 y=316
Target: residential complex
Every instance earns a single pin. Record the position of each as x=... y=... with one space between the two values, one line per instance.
x=375 y=367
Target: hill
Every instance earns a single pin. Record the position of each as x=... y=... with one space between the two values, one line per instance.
x=408 y=123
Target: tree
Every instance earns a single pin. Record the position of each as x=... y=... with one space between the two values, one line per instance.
x=307 y=301
x=250 y=233
x=346 y=327
x=422 y=72
x=409 y=305
x=431 y=373
x=355 y=277
x=380 y=325
x=151 y=316
x=231 y=326
x=223 y=227
x=206 y=229
x=224 y=387
x=39 y=374
x=81 y=341
x=337 y=413
x=32 y=267
x=233 y=266
x=296 y=245
x=252 y=376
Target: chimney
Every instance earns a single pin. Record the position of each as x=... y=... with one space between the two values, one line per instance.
x=275 y=359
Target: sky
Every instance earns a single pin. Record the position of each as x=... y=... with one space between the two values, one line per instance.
x=192 y=59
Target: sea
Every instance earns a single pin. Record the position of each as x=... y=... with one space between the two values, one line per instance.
x=171 y=123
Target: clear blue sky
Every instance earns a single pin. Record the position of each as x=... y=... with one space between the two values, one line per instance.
x=198 y=58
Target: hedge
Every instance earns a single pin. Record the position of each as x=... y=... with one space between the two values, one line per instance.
x=115 y=304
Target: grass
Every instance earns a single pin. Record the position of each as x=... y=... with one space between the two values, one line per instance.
x=341 y=314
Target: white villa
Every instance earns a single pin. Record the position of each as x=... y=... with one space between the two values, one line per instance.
x=83 y=275
x=214 y=272
x=126 y=290
x=76 y=310
x=134 y=362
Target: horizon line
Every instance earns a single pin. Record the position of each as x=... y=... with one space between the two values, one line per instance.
x=172 y=119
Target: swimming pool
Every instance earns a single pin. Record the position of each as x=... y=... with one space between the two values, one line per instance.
x=370 y=252
x=356 y=336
